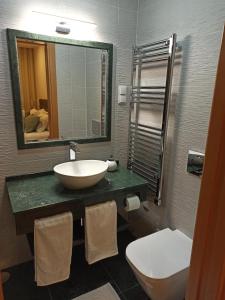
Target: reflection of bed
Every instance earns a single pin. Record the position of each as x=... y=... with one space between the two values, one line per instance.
x=36 y=136
x=36 y=125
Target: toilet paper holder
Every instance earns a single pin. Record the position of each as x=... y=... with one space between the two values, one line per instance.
x=132 y=202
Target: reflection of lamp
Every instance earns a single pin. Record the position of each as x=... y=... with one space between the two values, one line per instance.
x=65 y=24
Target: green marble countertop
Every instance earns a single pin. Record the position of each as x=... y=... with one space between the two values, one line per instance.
x=31 y=192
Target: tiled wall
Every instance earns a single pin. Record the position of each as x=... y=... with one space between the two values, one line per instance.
x=116 y=23
x=71 y=91
x=93 y=87
x=199 y=25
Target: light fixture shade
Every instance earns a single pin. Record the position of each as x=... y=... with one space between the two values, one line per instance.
x=64 y=25
x=62 y=28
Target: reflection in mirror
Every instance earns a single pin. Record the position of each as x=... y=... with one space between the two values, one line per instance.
x=63 y=90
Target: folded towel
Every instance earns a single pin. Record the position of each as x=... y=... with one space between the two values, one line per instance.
x=102 y=293
x=100 y=231
x=53 y=240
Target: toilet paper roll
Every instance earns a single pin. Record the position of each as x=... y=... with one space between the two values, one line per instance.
x=132 y=202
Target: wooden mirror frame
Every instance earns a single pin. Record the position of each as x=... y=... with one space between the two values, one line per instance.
x=12 y=36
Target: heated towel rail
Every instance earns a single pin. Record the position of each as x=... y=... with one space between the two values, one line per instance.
x=147 y=143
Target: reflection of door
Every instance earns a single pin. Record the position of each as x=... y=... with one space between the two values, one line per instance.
x=1 y=289
x=207 y=271
x=52 y=90
x=38 y=80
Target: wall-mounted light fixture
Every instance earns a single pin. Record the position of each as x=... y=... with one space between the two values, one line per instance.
x=64 y=25
x=62 y=28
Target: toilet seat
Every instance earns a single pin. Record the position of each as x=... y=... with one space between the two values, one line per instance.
x=161 y=254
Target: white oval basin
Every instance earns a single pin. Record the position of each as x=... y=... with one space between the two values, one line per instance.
x=81 y=174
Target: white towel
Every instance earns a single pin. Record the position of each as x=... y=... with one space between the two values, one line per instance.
x=102 y=293
x=100 y=231
x=53 y=240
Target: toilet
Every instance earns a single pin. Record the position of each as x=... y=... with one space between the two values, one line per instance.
x=160 y=262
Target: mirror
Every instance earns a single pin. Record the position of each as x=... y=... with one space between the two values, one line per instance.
x=61 y=88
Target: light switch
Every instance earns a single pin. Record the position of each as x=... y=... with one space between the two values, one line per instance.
x=123 y=93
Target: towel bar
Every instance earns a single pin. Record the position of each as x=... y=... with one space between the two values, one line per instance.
x=147 y=143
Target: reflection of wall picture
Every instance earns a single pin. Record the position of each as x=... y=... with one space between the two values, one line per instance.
x=62 y=89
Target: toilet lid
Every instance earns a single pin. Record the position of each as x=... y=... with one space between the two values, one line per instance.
x=161 y=254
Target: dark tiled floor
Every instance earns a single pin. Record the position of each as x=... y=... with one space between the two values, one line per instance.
x=83 y=278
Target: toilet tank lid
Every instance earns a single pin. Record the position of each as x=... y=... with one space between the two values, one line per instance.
x=161 y=254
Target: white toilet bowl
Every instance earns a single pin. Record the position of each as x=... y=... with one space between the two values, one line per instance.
x=160 y=262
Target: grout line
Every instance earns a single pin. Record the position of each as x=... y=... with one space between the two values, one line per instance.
x=132 y=287
x=123 y=296
x=49 y=293
x=137 y=22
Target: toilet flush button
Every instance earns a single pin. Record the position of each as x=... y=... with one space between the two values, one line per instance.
x=195 y=162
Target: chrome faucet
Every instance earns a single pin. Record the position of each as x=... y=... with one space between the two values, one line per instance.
x=73 y=150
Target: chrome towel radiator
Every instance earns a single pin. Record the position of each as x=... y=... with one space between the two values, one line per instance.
x=147 y=143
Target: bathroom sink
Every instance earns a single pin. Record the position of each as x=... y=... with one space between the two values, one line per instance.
x=81 y=174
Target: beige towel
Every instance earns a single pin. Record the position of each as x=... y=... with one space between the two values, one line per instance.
x=100 y=231
x=53 y=240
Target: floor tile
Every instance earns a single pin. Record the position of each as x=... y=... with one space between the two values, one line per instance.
x=83 y=277
x=120 y=272
x=117 y=266
x=135 y=293
x=124 y=238
x=21 y=285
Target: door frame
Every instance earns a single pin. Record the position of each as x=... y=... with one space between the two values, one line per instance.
x=52 y=90
x=207 y=269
